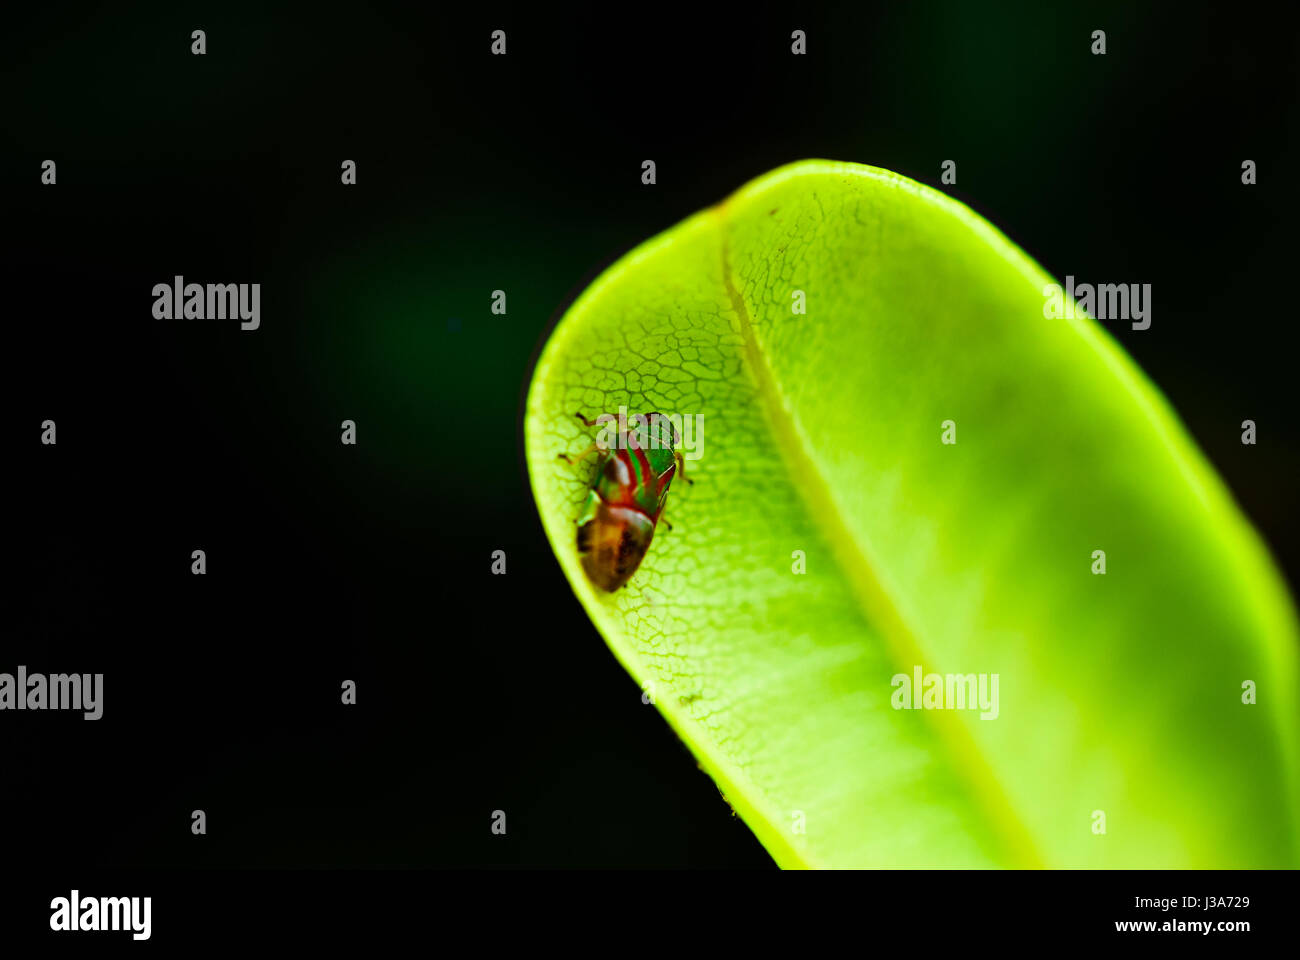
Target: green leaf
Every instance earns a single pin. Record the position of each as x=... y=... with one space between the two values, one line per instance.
x=1120 y=693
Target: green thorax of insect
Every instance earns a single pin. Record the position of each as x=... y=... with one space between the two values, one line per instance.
x=637 y=464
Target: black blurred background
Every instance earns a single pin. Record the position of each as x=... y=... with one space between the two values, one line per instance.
x=522 y=173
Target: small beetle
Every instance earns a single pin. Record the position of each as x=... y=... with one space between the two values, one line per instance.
x=626 y=498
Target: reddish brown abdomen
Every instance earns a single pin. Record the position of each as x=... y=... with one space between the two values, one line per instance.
x=613 y=543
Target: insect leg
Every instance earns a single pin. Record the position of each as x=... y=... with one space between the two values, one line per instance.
x=681 y=467
x=574 y=461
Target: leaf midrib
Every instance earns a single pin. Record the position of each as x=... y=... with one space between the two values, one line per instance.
x=878 y=608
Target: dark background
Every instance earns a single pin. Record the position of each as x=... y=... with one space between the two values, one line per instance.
x=522 y=173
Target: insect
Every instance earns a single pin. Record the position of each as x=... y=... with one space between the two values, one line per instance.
x=627 y=497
